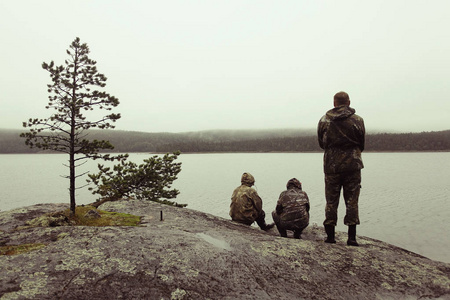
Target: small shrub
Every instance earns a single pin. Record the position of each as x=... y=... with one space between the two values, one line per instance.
x=150 y=180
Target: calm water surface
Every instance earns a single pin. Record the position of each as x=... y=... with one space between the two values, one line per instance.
x=404 y=198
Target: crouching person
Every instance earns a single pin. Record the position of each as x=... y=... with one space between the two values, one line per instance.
x=246 y=205
x=292 y=211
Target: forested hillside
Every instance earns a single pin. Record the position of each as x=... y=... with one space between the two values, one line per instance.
x=289 y=140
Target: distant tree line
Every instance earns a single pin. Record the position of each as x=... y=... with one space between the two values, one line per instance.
x=126 y=141
x=425 y=141
x=273 y=144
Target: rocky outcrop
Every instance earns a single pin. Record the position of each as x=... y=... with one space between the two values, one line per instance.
x=194 y=255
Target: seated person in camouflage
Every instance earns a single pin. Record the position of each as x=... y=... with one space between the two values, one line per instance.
x=246 y=205
x=292 y=211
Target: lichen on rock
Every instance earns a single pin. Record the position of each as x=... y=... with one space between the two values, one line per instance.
x=193 y=255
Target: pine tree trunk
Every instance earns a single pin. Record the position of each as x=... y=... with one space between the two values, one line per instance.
x=72 y=136
x=72 y=182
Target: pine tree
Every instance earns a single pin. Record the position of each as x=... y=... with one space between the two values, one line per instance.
x=76 y=90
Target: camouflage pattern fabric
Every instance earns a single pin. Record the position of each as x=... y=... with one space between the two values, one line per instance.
x=351 y=184
x=246 y=205
x=292 y=211
x=341 y=134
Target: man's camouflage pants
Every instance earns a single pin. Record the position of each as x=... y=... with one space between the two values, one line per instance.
x=350 y=182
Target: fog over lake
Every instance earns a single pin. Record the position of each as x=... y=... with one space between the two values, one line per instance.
x=404 y=196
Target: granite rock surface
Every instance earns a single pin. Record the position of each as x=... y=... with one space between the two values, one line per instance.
x=194 y=255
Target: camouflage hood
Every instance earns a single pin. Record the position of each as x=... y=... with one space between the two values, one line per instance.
x=247 y=179
x=340 y=112
x=294 y=183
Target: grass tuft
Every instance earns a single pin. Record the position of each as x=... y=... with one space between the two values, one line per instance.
x=107 y=218
x=19 y=249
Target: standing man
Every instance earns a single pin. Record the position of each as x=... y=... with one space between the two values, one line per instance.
x=246 y=205
x=341 y=134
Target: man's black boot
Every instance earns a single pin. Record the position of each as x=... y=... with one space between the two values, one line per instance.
x=352 y=236
x=329 y=229
x=297 y=234
x=282 y=231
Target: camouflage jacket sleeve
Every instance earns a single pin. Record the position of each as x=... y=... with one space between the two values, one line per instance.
x=279 y=207
x=257 y=201
x=307 y=205
x=321 y=131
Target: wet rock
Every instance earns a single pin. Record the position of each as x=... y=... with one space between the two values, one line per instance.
x=194 y=255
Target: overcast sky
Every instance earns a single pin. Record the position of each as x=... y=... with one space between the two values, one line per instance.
x=180 y=66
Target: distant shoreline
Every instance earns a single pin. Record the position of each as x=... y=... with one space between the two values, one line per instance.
x=231 y=152
x=245 y=141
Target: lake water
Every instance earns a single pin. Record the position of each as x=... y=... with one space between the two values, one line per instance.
x=404 y=198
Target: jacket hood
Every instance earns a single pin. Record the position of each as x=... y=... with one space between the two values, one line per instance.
x=247 y=179
x=340 y=112
x=294 y=183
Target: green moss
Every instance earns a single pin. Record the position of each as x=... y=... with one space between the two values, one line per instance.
x=121 y=219
x=19 y=249
x=107 y=218
x=81 y=218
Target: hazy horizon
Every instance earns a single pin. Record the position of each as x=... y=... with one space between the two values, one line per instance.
x=188 y=66
x=312 y=130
